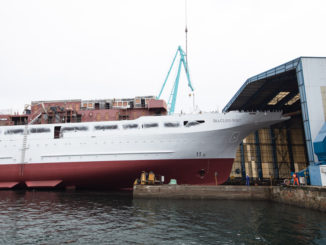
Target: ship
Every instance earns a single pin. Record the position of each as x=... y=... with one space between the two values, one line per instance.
x=194 y=149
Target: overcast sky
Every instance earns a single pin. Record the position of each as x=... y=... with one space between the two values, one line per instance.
x=53 y=50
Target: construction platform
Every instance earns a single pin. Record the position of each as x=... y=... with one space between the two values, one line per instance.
x=301 y=196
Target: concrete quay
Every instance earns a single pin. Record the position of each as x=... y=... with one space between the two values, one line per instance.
x=301 y=196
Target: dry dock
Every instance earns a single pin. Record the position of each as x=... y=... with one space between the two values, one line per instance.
x=303 y=196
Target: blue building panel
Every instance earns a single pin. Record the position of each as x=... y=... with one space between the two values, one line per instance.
x=315 y=176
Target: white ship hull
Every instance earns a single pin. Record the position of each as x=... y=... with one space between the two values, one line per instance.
x=113 y=154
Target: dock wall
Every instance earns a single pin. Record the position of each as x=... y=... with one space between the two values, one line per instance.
x=305 y=196
x=202 y=192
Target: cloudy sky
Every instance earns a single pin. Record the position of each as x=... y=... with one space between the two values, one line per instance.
x=83 y=49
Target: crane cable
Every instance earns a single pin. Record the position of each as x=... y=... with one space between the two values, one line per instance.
x=186 y=32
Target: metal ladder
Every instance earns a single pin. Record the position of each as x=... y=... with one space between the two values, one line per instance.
x=24 y=148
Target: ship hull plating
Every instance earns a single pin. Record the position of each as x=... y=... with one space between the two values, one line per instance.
x=115 y=174
x=196 y=149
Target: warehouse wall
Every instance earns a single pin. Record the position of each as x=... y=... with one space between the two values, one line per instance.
x=284 y=157
x=314 y=73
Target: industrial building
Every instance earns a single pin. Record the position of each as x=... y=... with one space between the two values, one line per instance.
x=298 y=88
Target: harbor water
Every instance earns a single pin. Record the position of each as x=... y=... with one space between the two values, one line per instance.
x=80 y=217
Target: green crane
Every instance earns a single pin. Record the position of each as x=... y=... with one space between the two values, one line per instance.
x=173 y=96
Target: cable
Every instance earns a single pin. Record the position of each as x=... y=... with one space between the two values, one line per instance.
x=186 y=32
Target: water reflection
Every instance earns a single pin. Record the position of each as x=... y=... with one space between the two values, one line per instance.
x=240 y=222
x=41 y=217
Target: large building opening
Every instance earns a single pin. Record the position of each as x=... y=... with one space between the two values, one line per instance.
x=286 y=147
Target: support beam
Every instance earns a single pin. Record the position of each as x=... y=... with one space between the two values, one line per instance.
x=274 y=154
x=258 y=155
x=288 y=139
x=243 y=165
x=305 y=117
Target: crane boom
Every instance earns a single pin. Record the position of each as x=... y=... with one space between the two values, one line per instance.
x=174 y=91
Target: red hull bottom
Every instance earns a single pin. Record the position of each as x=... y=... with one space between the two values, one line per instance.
x=114 y=174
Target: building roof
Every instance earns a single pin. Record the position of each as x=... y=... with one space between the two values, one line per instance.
x=275 y=89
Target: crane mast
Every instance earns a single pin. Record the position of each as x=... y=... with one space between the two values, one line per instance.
x=174 y=92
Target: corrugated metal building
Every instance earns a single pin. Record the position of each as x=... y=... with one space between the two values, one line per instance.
x=298 y=88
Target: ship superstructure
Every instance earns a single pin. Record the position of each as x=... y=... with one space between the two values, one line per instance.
x=70 y=111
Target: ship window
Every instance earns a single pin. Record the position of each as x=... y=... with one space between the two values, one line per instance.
x=106 y=127
x=130 y=126
x=79 y=128
x=142 y=102
x=193 y=123
x=57 y=132
x=150 y=125
x=39 y=130
x=171 y=124
x=15 y=131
